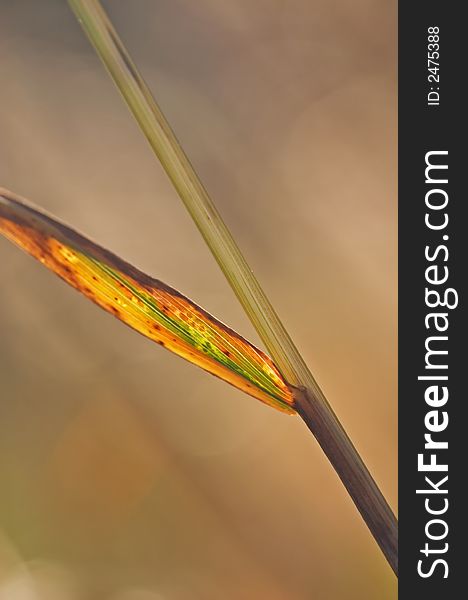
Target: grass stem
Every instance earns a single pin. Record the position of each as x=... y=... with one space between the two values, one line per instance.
x=311 y=403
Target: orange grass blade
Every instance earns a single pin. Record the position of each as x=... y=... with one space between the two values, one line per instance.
x=147 y=305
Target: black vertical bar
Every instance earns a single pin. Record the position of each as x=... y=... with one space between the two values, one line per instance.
x=431 y=119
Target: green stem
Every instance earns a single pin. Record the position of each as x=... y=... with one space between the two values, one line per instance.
x=311 y=405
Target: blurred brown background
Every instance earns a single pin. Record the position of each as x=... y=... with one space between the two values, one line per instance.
x=126 y=473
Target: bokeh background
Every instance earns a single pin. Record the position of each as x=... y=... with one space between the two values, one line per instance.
x=126 y=473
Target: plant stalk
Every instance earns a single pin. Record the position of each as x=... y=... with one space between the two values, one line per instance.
x=311 y=403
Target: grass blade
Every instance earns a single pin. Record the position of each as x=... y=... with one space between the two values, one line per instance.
x=310 y=401
x=147 y=305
